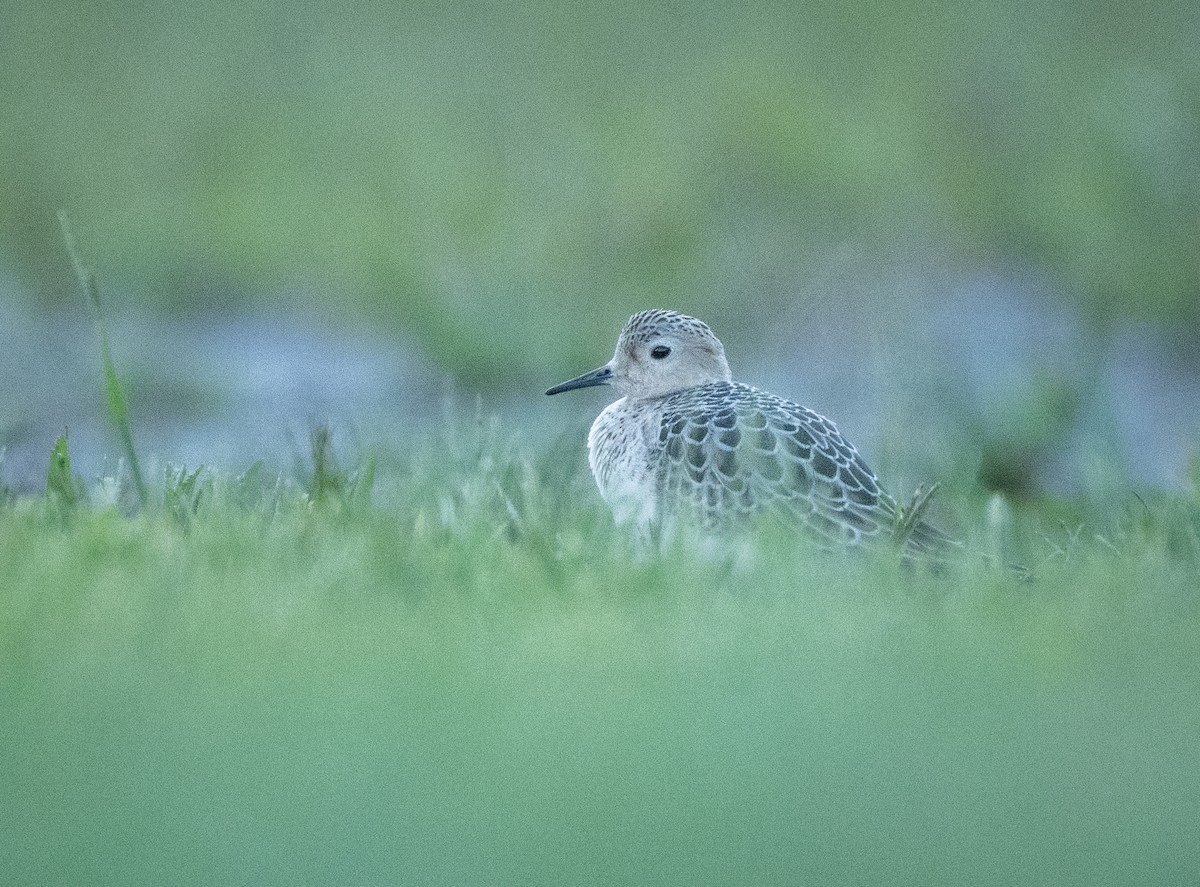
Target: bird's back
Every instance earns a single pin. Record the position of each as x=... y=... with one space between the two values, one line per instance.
x=728 y=451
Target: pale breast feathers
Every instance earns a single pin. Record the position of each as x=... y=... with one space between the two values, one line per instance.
x=620 y=451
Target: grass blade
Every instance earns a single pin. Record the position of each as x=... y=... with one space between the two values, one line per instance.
x=62 y=488
x=117 y=409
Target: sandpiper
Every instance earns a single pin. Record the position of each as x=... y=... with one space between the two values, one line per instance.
x=684 y=441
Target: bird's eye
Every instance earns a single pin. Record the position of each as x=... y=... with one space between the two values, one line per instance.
x=658 y=352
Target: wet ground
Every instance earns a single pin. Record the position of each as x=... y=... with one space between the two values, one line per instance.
x=985 y=374
x=220 y=392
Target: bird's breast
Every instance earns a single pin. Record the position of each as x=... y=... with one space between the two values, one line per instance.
x=621 y=451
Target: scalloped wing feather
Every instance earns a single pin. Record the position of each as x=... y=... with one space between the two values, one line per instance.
x=729 y=451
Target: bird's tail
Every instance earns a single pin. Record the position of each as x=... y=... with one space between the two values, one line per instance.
x=916 y=535
x=920 y=539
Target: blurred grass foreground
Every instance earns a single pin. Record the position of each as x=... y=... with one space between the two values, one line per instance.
x=280 y=683
x=425 y=656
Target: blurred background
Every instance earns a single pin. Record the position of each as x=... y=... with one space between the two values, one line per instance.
x=969 y=233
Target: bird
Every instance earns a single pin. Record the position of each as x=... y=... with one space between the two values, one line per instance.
x=686 y=443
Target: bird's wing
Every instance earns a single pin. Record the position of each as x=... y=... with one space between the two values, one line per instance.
x=730 y=450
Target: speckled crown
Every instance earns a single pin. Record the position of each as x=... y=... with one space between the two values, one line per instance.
x=647 y=325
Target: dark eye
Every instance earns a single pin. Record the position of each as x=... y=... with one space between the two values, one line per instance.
x=658 y=352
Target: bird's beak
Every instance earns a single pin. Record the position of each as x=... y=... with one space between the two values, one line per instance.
x=601 y=376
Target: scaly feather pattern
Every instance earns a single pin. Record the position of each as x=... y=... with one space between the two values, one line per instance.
x=728 y=452
x=686 y=442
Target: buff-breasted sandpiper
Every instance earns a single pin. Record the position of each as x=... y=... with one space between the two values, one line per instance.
x=685 y=440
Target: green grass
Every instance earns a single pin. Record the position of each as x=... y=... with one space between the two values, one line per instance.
x=476 y=679
x=117 y=409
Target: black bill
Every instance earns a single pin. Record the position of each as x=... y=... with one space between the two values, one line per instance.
x=602 y=376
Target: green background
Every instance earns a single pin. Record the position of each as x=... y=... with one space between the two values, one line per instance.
x=500 y=181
